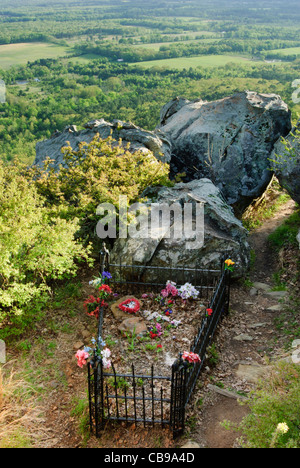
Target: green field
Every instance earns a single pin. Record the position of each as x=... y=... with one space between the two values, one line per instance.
x=20 y=54
x=199 y=61
x=288 y=51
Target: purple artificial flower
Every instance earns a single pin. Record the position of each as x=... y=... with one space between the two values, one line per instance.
x=106 y=274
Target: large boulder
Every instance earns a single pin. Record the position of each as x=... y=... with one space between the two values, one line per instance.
x=136 y=137
x=285 y=162
x=228 y=141
x=221 y=232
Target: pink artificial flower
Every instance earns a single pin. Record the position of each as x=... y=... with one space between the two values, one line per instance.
x=81 y=356
x=106 y=363
x=191 y=357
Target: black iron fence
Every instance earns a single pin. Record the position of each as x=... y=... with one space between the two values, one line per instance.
x=148 y=398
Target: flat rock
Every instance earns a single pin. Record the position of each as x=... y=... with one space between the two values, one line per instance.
x=191 y=444
x=226 y=393
x=275 y=308
x=258 y=325
x=252 y=373
x=276 y=294
x=262 y=286
x=243 y=337
x=253 y=292
x=133 y=325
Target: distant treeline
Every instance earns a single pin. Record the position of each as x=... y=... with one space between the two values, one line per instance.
x=140 y=54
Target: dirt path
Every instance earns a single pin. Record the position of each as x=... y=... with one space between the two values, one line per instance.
x=245 y=339
x=242 y=343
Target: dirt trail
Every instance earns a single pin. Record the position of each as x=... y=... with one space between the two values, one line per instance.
x=242 y=343
x=244 y=340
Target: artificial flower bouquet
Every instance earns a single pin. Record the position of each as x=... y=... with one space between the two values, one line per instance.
x=93 y=304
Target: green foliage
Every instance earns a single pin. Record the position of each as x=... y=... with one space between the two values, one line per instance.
x=99 y=172
x=286 y=233
x=276 y=401
x=36 y=246
x=290 y=153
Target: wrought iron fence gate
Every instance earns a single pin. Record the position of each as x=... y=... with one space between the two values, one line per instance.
x=149 y=398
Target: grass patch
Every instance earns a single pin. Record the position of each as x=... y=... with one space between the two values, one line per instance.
x=286 y=234
x=275 y=401
x=266 y=206
x=199 y=61
x=19 y=415
x=20 y=54
x=284 y=52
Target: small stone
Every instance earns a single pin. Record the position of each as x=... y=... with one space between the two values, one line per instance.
x=275 y=308
x=258 y=325
x=296 y=344
x=263 y=286
x=191 y=444
x=276 y=294
x=85 y=334
x=243 y=337
x=253 y=292
x=78 y=345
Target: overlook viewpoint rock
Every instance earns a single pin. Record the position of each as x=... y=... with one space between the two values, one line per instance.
x=228 y=141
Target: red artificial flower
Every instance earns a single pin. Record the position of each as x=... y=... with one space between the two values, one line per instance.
x=130 y=305
x=153 y=335
x=159 y=346
x=105 y=288
x=94 y=313
x=167 y=313
x=209 y=311
x=92 y=306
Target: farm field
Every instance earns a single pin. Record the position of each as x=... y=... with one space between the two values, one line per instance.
x=288 y=51
x=20 y=54
x=199 y=61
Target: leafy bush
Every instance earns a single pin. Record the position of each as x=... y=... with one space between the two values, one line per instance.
x=36 y=245
x=98 y=172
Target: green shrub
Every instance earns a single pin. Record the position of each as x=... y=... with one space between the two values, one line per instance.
x=36 y=246
x=98 y=172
